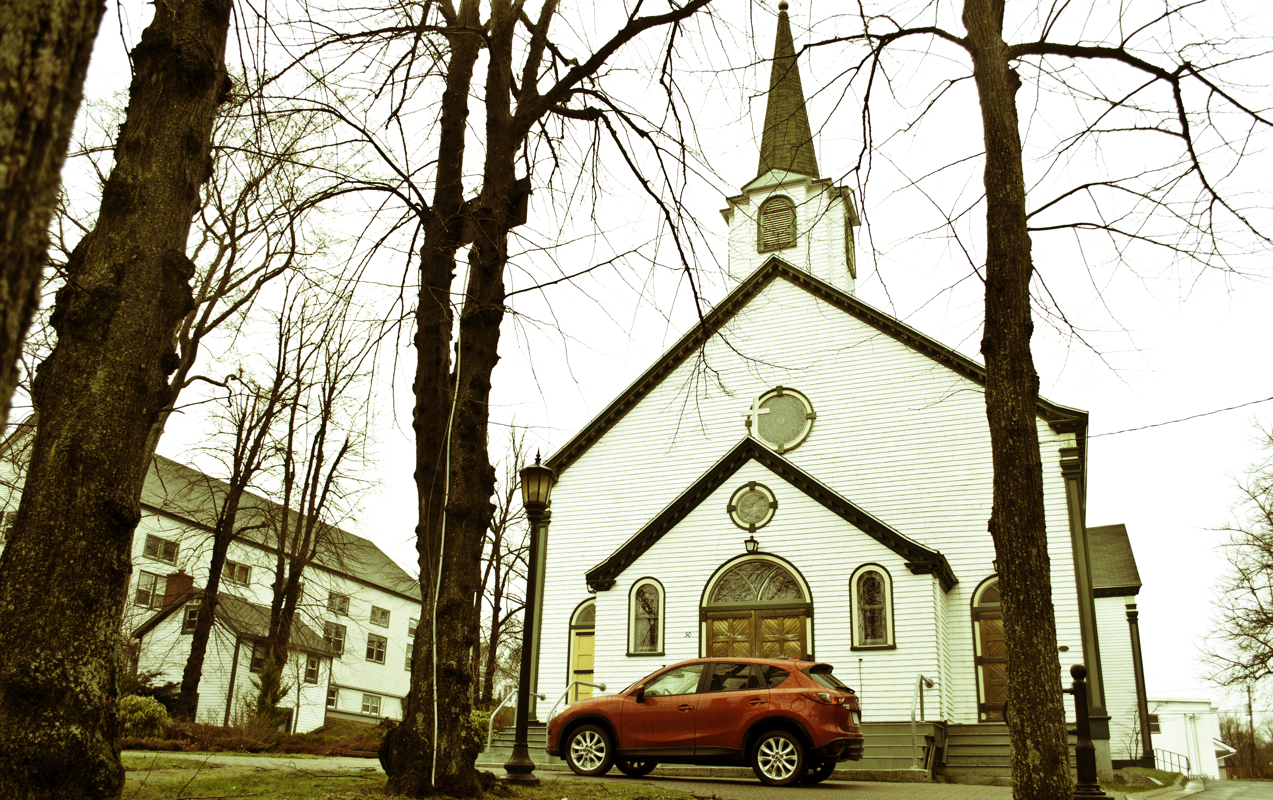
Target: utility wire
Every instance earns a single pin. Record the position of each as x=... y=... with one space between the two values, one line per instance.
x=1182 y=419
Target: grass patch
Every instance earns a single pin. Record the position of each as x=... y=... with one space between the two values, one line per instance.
x=159 y=777
x=1131 y=780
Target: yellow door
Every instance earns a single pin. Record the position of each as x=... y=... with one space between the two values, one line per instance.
x=581 y=663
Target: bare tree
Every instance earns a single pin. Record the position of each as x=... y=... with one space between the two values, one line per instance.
x=504 y=567
x=44 y=50
x=1136 y=76
x=99 y=395
x=1240 y=649
x=319 y=444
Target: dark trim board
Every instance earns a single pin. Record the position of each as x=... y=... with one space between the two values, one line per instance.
x=920 y=560
x=1062 y=419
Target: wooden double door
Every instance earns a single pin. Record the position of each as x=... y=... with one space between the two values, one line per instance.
x=992 y=664
x=757 y=633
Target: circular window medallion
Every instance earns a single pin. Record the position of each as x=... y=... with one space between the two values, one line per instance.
x=781 y=418
x=752 y=506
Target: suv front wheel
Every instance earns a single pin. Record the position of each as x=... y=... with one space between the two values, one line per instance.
x=588 y=751
x=777 y=758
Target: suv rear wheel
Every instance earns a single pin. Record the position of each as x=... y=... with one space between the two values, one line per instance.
x=777 y=758
x=589 y=751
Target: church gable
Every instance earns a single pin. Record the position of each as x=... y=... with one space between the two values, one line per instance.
x=1060 y=418
x=918 y=558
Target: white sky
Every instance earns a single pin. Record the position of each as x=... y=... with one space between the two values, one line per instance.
x=1174 y=342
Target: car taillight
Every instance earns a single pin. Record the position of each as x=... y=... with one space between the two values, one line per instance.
x=823 y=697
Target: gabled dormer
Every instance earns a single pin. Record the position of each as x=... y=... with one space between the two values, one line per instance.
x=788 y=210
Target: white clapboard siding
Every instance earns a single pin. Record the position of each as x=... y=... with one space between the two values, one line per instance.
x=897 y=434
x=1120 y=676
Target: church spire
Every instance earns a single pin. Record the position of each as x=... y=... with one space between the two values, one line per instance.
x=787 y=142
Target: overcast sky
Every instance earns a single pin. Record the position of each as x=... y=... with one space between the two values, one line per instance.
x=1155 y=342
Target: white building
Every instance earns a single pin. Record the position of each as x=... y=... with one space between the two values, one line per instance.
x=355 y=624
x=804 y=475
x=1189 y=728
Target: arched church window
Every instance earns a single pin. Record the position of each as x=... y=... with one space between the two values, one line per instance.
x=757 y=607
x=756 y=582
x=645 y=618
x=872 y=592
x=781 y=418
x=777 y=225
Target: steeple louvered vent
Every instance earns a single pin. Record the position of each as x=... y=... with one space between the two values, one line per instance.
x=777 y=224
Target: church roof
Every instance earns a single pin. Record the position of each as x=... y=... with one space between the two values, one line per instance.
x=1061 y=418
x=1114 y=572
x=787 y=141
x=920 y=560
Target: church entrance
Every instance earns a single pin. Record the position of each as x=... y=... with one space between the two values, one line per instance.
x=756 y=608
x=992 y=652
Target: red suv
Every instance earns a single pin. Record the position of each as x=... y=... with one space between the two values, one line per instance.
x=790 y=720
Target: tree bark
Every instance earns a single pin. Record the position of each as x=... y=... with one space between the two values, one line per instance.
x=44 y=51
x=408 y=751
x=65 y=572
x=1036 y=715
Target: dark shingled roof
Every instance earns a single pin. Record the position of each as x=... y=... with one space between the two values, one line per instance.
x=1114 y=572
x=247 y=620
x=787 y=141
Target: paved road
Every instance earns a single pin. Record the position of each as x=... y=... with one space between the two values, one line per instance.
x=1237 y=790
x=744 y=789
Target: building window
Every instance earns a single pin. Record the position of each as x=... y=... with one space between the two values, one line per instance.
x=371 y=704
x=645 y=621
x=331 y=696
x=408 y=661
x=312 y=664
x=380 y=616
x=338 y=603
x=160 y=549
x=335 y=636
x=872 y=614
x=376 y=646
x=752 y=506
x=411 y=626
x=190 y=620
x=1154 y=726
x=234 y=572
x=781 y=418
x=150 y=590
x=259 y=653
x=777 y=230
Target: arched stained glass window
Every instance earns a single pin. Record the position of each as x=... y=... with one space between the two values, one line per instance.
x=756 y=582
x=645 y=622
x=777 y=229
x=872 y=607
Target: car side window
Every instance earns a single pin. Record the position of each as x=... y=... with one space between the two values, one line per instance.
x=727 y=677
x=774 y=675
x=681 y=680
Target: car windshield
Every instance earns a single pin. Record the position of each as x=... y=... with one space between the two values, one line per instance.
x=821 y=675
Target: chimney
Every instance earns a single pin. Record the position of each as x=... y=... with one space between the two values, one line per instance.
x=178 y=584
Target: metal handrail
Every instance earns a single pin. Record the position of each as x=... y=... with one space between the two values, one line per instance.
x=918 y=694
x=570 y=686
x=1165 y=758
x=490 y=724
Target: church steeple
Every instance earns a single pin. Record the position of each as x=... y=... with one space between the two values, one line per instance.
x=787 y=141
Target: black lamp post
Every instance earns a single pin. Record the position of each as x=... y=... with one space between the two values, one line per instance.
x=537 y=487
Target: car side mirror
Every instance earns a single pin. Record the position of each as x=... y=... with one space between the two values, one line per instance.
x=639 y=694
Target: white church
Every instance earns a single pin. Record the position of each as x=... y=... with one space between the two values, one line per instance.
x=825 y=494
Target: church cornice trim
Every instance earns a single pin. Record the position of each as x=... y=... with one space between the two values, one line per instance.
x=919 y=559
x=1061 y=419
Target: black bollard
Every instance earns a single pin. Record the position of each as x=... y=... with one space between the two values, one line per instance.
x=1084 y=752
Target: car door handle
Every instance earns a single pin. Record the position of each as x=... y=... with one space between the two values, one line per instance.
x=684 y=707
x=756 y=701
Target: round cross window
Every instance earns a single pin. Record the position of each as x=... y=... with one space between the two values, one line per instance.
x=752 y=506
x=781 y=418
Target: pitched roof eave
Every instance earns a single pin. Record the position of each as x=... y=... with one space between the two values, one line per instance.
x=1062 y=419
x=920 y=560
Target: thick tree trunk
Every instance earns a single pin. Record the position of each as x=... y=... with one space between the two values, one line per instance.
x=65 y=572
x=408 y=751
x=44 y=50
x=1035 y=715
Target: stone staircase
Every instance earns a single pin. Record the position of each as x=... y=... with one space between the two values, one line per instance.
x=979 y=753
x=501 y=750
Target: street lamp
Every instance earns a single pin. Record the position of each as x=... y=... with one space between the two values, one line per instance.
x=537 y=487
